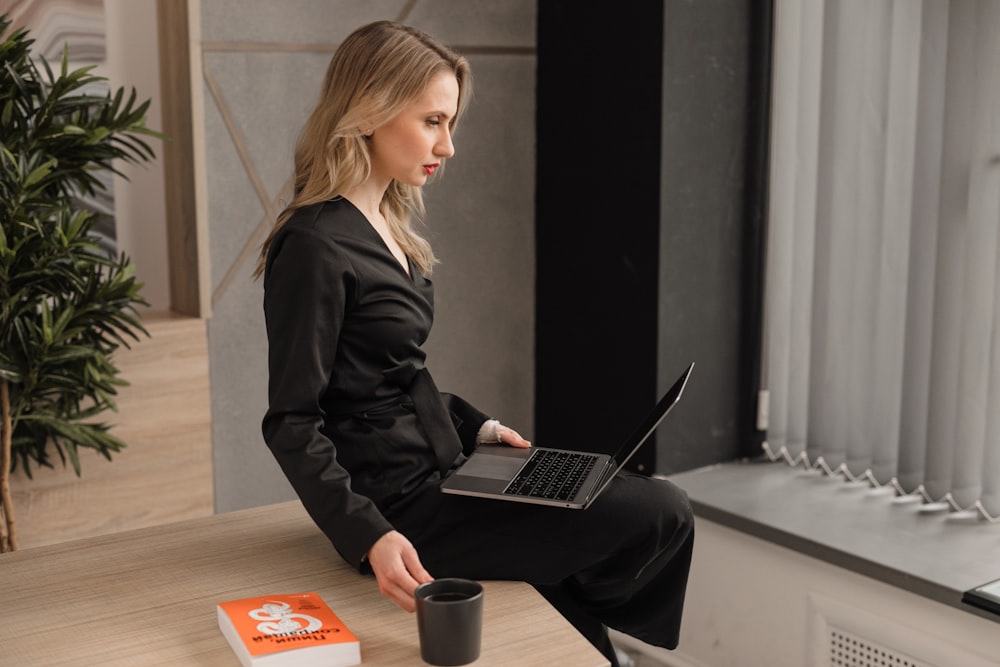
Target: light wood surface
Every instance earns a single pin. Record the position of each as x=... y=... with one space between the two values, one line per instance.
x=147 y=597
x=165 y=472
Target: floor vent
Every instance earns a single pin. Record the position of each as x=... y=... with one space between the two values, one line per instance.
x=849 y=650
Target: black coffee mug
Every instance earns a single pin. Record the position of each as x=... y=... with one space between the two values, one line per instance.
x=450 y=621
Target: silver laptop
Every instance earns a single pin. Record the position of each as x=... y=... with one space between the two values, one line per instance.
x=556 y=477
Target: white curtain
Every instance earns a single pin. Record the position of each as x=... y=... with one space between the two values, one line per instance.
x=882 y=344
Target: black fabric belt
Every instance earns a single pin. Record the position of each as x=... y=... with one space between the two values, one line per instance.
x=431 y=412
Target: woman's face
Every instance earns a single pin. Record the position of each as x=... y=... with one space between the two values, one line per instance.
x=411 y=146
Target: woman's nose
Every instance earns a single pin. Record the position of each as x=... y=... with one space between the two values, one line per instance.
x=445 y=147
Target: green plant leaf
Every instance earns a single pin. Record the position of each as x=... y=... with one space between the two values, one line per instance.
x=40 y=172
x=10 y=372
x=65 y=305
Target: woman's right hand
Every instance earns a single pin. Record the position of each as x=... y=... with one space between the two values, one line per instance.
x=397 y=568
x=511 y=437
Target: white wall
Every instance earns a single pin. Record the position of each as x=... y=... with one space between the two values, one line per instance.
x=140 y=209
x=751 y=603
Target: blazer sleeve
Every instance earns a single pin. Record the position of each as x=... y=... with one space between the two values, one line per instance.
x=467 y=419
x=307 y=285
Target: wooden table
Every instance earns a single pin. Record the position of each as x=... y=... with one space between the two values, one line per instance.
x=147 y=597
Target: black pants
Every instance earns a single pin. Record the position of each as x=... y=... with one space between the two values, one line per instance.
x=622 y=563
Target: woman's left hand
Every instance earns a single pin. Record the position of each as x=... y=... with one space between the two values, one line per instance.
x=511 y=437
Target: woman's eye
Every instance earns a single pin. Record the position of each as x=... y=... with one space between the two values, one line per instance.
x=433 y=121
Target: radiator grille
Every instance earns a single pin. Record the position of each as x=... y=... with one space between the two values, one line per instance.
x=850 y=650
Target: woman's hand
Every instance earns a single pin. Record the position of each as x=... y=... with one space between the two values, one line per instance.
x=511 y=437
x=397 y=568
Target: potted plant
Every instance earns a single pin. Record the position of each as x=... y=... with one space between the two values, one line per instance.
x=66 y=304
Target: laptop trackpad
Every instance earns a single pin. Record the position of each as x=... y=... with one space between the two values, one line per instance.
x=491 y=466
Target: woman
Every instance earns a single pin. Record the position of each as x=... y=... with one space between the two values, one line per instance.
x=354 y=418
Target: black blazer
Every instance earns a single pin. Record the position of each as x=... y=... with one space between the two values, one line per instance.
x=345 y=325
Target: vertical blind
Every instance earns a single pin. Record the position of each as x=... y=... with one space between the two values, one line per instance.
x=882 y=343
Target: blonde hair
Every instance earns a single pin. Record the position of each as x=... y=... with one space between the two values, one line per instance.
x=375 y=73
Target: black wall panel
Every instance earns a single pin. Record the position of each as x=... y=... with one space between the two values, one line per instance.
x=652 y=136
x=597 y=219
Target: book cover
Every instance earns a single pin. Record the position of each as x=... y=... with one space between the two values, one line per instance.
x=292 y=629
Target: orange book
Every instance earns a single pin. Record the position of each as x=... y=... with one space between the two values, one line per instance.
x=287 y=630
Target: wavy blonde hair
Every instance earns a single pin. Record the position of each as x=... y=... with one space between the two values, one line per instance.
x=375 y=73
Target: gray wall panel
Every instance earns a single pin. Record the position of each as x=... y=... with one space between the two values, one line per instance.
x=246 y=475
x=233 y=206
x=703 y=223
x=291 y=21
x=269 y=96
x=477 y=23
x=481 y=220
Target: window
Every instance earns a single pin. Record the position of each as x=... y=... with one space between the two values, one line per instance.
x=882 y=343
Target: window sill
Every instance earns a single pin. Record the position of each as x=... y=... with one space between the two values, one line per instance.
x=867 y=531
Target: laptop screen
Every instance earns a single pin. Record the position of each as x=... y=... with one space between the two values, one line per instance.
x=648 y=425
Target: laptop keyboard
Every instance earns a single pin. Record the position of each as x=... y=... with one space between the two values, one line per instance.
x=551 y=474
